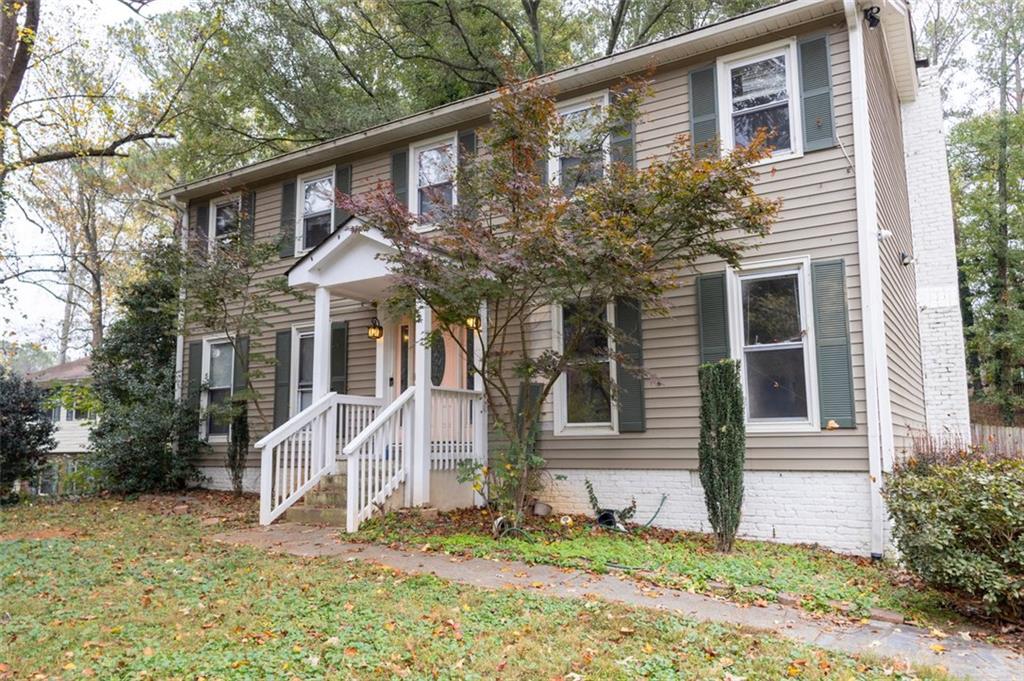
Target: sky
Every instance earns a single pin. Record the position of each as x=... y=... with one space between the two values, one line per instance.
x=37 y=313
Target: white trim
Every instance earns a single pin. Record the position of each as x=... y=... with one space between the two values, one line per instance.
x=179 y=338
x=298 y=332
x=300 y=204
x=204 y=395
x=562 y=427
x=591 y=100
x=211 y=225
x=451 y=138
x=801 y=266
x=876 y=371
x=724 y=65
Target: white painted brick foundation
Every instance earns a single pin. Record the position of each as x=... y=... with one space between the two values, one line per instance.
x=794 y=507
x=938 y=294
x=217 y=478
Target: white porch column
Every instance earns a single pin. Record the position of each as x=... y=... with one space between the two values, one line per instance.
x=480 y=442
x=421 y=411
x=321 y=343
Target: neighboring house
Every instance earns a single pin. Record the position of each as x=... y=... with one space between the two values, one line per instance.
x=863 y=249
x=72 y=425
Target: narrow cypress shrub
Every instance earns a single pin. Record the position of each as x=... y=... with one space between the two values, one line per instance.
x=722 y=447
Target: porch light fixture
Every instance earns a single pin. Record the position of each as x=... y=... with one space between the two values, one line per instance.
x=473 y=323
x=375 y=331
x=871 y=16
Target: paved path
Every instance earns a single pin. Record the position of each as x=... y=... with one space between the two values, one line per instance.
x=971 y=659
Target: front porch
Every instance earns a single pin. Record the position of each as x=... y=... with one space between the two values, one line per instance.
x=424 y=419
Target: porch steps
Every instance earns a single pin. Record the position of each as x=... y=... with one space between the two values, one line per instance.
x=323 y=505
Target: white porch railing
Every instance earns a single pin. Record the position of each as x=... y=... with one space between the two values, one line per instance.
x=457 y=427
x=298 y=453
x=378 y=459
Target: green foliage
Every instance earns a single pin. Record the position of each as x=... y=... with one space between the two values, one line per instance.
x=991 y=253
x=722 y=447
x=961 y=527
x=26 y=433
x=143 y=441
x=146 y=594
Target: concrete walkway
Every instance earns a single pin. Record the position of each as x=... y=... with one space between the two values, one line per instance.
x=967 y=658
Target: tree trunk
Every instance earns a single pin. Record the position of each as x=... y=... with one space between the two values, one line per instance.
x=69 y=306
x=1001 y=290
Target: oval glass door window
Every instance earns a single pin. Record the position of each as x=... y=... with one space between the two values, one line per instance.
x=437 y=360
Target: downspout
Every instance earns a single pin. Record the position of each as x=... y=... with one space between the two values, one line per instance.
x=179 y=343
x=876 y=371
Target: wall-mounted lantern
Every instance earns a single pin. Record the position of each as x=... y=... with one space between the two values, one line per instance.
x=375 y=331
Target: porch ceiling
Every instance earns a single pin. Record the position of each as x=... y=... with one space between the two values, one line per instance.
x=347 y=263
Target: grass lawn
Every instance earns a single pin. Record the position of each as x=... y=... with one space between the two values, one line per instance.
x=822 y=580
x=117 y=589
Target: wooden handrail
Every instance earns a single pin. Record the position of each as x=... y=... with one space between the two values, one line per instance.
x=359 y=440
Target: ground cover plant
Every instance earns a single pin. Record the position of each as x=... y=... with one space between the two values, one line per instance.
x=118 y=589
x=821 y=580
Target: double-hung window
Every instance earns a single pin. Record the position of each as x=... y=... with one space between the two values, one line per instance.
x=302 y=369
x=316 y=208
x=434 y=164
x=772 y=338
x=583 y=397
x=580 y=160
x=225 y=218
x=761 y=92
x=219 y=369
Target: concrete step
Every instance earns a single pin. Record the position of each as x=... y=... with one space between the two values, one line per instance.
x=311 y=515
x=325 y=498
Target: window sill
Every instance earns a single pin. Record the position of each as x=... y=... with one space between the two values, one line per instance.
x=788 y=156
x=217 y=439
x=782 y=427
x=586 y=430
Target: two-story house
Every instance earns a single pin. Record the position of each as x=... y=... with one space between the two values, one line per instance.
x=863 y=251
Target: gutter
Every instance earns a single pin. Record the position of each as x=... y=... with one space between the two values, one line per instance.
x=876 y=370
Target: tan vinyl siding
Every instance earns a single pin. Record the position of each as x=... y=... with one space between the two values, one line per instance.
x=818 y=219
x=899 y=297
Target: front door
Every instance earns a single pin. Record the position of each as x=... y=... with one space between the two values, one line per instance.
x=448 y=368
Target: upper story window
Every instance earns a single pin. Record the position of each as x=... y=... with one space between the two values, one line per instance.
x=219 y=369
x=434 y=166
x=225 y=218
x=583 y=398
x=773 y=324
x=761 y=93
x=315 y=208
x=579 y=162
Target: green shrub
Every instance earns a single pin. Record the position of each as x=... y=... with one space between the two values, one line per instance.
x=961 y=527
x=722 y=447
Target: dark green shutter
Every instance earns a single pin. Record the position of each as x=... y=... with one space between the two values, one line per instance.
x=201 y=230
x=286 y=244
x=343 y=185
x=282 y=376
x=713 y=317
x=622 y=142
x=832 y=343
x=400 y=175
x=241 y=365
x=339 y=357
x=628 y=319
x=248 y=215
x=467 y=150
x=816 y=94
x=194 y=383
x=532 y=390
x=467 y=143
x=704 y=112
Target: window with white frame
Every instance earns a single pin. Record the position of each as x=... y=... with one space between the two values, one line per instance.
x=760 y=93
x=225 y=218
x=219 y=369
x=316 y=209
x=579 y=161
x=772 y=339
x=302 y=369
x=583 y=398
x=434 y=166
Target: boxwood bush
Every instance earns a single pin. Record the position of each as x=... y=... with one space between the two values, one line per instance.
x=960 y=526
